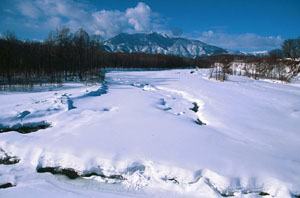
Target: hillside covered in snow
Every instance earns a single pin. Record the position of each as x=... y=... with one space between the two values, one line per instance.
x=172 y=133
x=155 y=43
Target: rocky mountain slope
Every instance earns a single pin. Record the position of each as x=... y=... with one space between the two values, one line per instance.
x=154 y=43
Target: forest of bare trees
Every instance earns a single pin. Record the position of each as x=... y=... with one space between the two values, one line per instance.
x=64 y=56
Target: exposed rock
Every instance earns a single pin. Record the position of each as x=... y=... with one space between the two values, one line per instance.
x=73 y=174
x=69 y=172
x=195 y=108
x=7 y=159
x=25 y=128
x=198 y=121
x=263 y=194
x=6 y=185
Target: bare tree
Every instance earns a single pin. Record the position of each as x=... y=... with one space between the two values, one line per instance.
x=50 y=38
x=10 y=36
x=63 y=36
x=298 y=47
x=289 y=48
x=276 y=53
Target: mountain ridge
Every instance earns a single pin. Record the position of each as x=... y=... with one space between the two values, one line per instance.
x=155 y=43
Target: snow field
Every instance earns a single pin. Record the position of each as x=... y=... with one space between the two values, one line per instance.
x=139 y=134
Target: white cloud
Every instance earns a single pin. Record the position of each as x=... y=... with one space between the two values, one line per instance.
x=54 y=22
x=247 y=41
x=63 y=8
x=110 y=22
x=57 y=13
x=28 y=9
x=30 y=25
x=139 y=17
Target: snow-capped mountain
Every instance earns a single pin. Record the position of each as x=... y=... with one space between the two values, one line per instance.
x=154 y=43
x=257 y=53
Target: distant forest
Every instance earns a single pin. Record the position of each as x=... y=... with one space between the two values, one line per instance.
x=64 y=56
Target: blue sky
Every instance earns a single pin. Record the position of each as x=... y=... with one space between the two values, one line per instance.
x=235 y=24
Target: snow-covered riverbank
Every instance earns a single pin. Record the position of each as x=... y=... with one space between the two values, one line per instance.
x=170 y=133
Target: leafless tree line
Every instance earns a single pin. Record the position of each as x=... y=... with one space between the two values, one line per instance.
x=280 y=64
x=266 y=67
x=66 y=56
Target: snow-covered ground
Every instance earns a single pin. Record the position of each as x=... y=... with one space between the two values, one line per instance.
x=172 y=133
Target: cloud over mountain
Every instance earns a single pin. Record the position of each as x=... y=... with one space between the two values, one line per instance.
x=247 y=41
x=58 y=13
